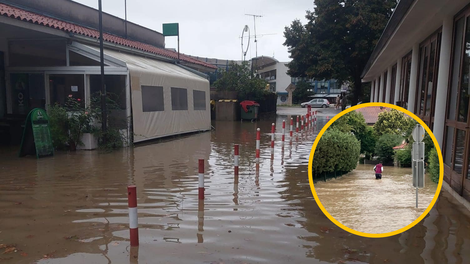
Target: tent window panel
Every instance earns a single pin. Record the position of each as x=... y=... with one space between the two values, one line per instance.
x=152 y=99
x=179 y=98
x=199 y=98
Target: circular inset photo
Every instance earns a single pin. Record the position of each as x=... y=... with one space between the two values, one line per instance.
x=375 y=170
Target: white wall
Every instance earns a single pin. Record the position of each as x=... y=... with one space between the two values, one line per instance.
x=282 y=79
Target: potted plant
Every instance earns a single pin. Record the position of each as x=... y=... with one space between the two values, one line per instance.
x=81 y=128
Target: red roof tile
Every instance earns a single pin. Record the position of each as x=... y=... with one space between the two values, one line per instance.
x=371 y=113
x=17 y=13
x=402 y=146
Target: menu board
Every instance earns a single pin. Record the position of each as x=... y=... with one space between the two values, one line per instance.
x=36 y=135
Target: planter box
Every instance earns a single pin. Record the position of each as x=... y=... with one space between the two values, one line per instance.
x=90 y=142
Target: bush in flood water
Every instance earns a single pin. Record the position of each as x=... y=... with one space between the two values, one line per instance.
x=384 y=147
x=403 y=157
x=433 y=166
x=355 y=123
x=336 y=152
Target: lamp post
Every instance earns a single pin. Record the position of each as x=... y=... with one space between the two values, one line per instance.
x=104 y=127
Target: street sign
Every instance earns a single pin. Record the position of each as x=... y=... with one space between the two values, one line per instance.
x=171 y=29
x=418 y=133
x=418 y=174
x=418 y=151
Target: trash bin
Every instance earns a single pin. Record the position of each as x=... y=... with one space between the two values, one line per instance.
x=249 y=110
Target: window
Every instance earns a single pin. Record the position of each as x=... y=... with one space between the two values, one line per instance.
x=393 y=84
x=427 y=81
x=152 y=99
x=457 y=137
x=405 y=81
x=179 y=99
x=199 y=99
x=384 y=88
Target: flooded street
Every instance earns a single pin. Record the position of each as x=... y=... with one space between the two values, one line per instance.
x=72 y=208
x=359 y=201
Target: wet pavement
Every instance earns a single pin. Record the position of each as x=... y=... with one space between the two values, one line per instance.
x=359 y=201
x=72 y=208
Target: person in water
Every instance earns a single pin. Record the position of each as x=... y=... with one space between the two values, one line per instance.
x=378 y=171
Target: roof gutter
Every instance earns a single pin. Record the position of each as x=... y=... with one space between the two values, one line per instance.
x=395 y=20
x=203 y=75
x=118 y=47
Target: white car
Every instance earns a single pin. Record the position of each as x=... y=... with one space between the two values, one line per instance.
x=323 y=103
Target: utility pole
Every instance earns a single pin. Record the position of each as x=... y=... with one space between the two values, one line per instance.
x=103 y=87
x=254 y=21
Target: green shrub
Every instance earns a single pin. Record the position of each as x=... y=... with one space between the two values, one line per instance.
x=336 y=152
x=433 y=167
x=58 y=122
x=404 y=157
x=384 y=147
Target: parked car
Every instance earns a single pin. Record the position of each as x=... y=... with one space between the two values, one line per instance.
x=323 y=103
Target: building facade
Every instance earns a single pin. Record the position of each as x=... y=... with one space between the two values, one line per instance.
x=328 y=89
x=422 y=63
x=49 y=53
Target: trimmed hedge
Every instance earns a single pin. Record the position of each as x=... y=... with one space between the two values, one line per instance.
x=336 y=152
x=404 y=157
x=433 y=167
x=384 y=147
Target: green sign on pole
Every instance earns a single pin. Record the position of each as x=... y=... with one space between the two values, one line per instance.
x=171 y=29
x=36 y=135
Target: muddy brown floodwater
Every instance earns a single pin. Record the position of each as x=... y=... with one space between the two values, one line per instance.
x=359 y=201
x=72 y=208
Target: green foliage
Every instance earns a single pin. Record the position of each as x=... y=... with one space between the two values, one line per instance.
x=368 y=142
x=336 y=152
x=110 y=140
x=70 y=121
x=337 y=40
x=433 y=167
x=384 y=147
x=58 y=122
x=404 y=157
x=301 y=92
x=355 y=123
x=394 y=122
x=239 y=78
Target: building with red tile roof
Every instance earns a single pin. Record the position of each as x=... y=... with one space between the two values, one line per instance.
x=371 y=113
x=49 y=52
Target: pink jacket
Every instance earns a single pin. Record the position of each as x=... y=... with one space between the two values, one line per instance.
x=378 y=168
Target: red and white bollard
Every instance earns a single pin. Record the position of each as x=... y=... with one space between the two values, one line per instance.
x=133 y=224
x=291 y=127
x=258 y=138
x=273 y=130
x=201 y=179
x=283 y=131
x=297 y=125
x=302 y=124
x=236 y=158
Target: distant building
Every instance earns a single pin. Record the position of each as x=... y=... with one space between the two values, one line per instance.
x=371 y=113
x=328 y=89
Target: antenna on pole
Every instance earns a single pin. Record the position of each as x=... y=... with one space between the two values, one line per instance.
x=254 y=21
x=245 y=29
x=125 y=15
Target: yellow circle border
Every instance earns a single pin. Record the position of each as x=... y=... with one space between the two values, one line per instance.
x=401 y=230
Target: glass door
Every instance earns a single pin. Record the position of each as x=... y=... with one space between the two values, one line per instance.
x=457 y=132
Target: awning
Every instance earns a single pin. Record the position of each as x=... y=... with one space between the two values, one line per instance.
x=146 y=72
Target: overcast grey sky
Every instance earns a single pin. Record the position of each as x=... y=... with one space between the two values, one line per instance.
x=211 y=28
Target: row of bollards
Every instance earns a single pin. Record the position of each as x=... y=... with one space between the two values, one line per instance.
x=306 y=121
